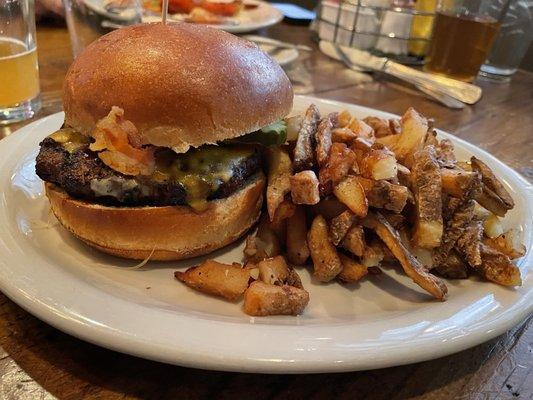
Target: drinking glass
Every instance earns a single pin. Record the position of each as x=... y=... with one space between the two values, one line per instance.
x=510 y=47
x=19 y=71
x=87 y=20
x=463 y=34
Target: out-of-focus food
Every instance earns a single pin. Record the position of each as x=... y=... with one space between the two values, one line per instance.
x=217 y=279
x=297 y=248
x=262 y=299
x=326 y=261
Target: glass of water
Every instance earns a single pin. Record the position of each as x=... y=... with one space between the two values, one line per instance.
x=19 y=71
x=510 y=46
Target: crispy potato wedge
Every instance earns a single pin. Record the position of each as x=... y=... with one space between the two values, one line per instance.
x=273 y=270
x=340 y=161
x=262 y=299
x=362 y=129
x=323 y=140
x=343 y=135
x=279 y=177
x=497 y=267
x=492 y=202
x=297 y=248
x=427 y=190
x=350 y=192
x=354 y=241
x=492 y=226
x=492 y=183
x=217 y=279
x=456 y=182
x=469 y=243
x=352 y=271
x=453 y=267
x=411 y=139
x=507 y=243
x=380 y=126
x=378 y=164
x=328 y=207
x=388 y=141
x=340 y=225
x=372 y=255
x=326 y=261
x=304 y=150
x=412 y=267
x=383 y=194
x=304 y=188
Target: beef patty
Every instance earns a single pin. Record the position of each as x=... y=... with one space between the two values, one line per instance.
x=84 y=176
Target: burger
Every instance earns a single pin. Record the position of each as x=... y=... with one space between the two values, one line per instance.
x=160 y=152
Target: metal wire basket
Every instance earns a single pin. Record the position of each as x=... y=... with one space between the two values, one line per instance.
x=380 y=29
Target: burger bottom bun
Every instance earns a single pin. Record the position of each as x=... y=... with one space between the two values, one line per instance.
x=161 y=233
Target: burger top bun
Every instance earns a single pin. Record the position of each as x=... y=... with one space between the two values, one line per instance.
x=181 y=85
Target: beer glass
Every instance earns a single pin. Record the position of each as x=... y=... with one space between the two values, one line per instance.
x=19 y=71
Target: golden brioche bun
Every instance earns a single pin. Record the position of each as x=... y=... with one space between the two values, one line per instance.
x=181 y=85
x=171 y=232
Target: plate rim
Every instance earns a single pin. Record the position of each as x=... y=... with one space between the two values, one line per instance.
x=125 y=343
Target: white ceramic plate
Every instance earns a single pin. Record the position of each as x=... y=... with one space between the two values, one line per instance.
x=262 y=16
x=381 y=322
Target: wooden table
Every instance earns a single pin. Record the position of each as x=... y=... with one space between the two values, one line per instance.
x=38 y=361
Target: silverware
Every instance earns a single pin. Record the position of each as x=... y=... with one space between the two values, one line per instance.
x=276 y=43
x=465 y=92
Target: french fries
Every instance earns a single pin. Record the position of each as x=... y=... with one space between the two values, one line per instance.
x=262 y=299
x=217 y=279
x=453 y=267
x=273 y=270
x=410 y=264
x=469 y=243
x=498 y=268
x=343 y=135
x=361 y=129
x=383 y=194
x=279 y=178
x=264 y=244
x=378 y=164
x=351 y=193
x=305 y=144
x=492 y=184
x=326 y=261
x=411 y=139
x=340 y=161
x=328 y=207
x=340 y=225
x=323 y=140
x=380 y=126
x=352 y=271
x=354 y=241
x=372 y=255
x=304 y=188
x=507 y=243
x=427 y=190
x=297 y=248
x=456 y=182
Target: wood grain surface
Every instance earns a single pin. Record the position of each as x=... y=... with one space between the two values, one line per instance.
x=40 y=362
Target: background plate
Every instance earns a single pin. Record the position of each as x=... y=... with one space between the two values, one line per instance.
x=381 y=322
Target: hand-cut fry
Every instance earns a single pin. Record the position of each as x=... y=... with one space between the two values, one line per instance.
x=481 y=213
x=491 y=182
x=412 y=267
x=279 y=174
x=453 y=267
x=354 y=241
x=378 y=164
x=340 y=225
x=344 y=118
x=323 y=140
x=294 y=279
x=305 y=144
x=352 y=271
x=328 y=207
x=507 y=243
x=427 y=190
x=273 y=270
x=388 y=141
x=350 y=192
x=372 y=255
x=264 y=244
x=297 y=249
x=445 y=153
x=380 y=126
x=456 y=182
x=455 y=226
x=343 y=135
x=383 y=194
x=361 y=129
x=262 y=299
x=492 y=202
x=340 y=161
x=326 y=261
x=214 y=278
x=294 y=124
x=492 y=226
x=497 y=267
x=411 y=139
x=469 y=243
x=394 y=126
x=304 y=188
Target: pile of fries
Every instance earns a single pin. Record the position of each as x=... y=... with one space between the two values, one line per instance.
x=351 y=195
